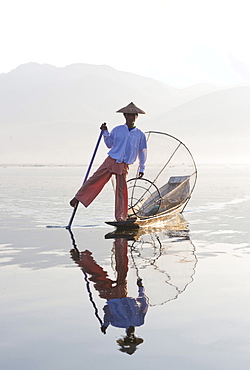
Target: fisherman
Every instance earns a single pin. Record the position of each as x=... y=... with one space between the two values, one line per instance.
x=126 y=142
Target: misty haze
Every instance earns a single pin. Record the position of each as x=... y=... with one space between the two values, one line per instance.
x=52 y=115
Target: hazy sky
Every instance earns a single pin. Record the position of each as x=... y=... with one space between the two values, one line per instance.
x=181 y=42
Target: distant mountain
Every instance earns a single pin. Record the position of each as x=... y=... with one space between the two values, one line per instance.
x=215 y=126
x=52 y=115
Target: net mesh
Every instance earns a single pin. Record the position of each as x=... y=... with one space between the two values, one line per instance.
x=170 y=177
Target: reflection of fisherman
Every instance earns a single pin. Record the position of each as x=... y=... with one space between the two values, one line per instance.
x=125 y=312
x=120 y=311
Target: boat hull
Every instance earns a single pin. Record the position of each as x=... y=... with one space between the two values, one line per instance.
x=158 y=219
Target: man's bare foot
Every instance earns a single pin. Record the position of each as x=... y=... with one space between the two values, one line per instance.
x=74 y=202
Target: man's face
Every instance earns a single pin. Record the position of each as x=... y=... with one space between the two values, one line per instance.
x=130 y=118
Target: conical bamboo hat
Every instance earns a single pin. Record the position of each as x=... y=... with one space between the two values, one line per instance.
x=131 y=108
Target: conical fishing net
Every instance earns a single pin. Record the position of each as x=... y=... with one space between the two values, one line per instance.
x=169 y=179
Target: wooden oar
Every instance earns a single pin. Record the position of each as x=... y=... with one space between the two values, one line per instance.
x=85 y=179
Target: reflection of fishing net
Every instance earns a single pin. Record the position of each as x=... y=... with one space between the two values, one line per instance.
x=165 y=265
x=172 y=173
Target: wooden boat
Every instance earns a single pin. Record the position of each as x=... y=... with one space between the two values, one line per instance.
x=176 y=225
x=172 y=175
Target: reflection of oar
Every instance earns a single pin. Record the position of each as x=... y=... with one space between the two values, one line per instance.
x=86 y=177
x=86 y=280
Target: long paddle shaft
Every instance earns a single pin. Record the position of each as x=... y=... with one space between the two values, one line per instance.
x=86 y=177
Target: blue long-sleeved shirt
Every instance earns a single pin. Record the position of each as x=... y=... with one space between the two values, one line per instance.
x=126 y=145
x=126 y=312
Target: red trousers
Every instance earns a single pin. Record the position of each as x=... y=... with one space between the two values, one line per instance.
x=106 y=287
x=93 y=186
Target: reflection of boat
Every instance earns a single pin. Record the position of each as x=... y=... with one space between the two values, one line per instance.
x=163 y=258
x=176 y=225
x=173 y=174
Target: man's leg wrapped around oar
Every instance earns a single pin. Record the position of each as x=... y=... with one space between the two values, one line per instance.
x=93 y=186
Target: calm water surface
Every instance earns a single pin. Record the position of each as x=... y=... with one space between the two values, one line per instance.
x=193 y=312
